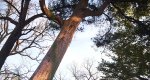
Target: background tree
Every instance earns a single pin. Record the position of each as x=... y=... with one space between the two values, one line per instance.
x=129 y=41
x=16 y=35
x=33 y=35
x=19 y=73
x=86 y=71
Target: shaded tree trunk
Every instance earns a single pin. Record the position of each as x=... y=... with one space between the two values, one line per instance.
x=4 y=53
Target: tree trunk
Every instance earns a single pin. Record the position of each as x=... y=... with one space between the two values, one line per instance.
x=4 y=53
x=51 y=61
x=15 y=35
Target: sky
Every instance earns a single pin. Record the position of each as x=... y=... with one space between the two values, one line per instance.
x=81 y=49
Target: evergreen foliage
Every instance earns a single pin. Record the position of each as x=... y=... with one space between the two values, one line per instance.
x=130 y=42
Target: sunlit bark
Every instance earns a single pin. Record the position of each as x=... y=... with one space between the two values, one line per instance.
x=51 y=61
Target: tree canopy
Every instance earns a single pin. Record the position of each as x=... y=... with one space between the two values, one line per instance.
x=129 y=41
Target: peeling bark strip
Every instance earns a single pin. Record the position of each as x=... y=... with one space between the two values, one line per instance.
x=52 y=59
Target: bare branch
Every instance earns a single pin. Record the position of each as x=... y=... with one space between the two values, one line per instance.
x=12 y=6
x=9 y=19
x=49 y=14
x=44 y=9
x=8 y=73
x=33 y=18
x=24 y=9
x=85 y=72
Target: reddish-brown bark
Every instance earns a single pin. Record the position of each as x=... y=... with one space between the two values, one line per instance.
x=52 y=59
